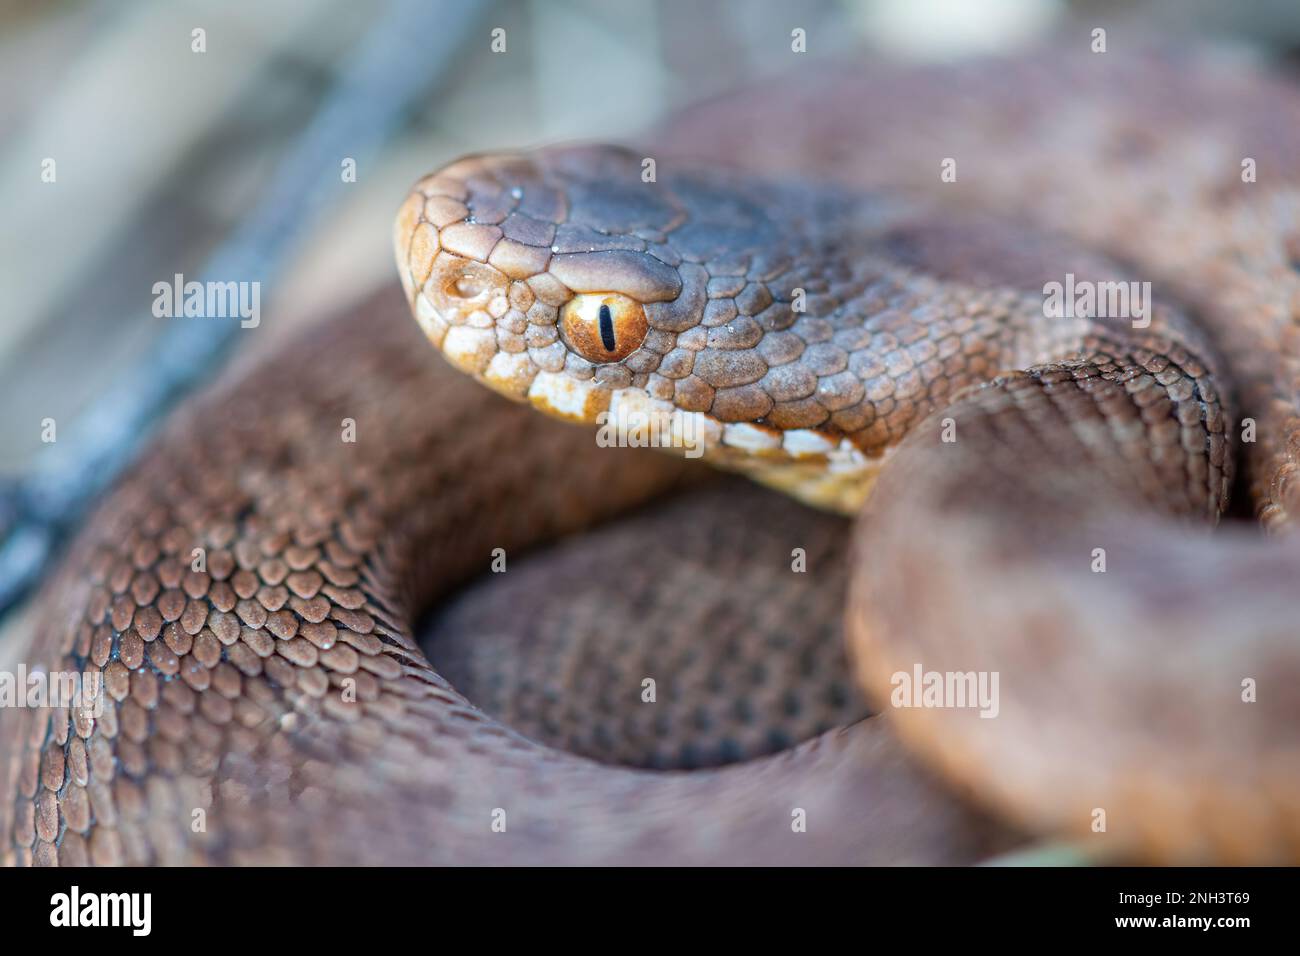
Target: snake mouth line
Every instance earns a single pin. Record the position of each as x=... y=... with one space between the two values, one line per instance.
x=822 y=470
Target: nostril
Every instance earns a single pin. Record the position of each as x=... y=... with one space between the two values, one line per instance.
x=467 y=286
x=463 y=286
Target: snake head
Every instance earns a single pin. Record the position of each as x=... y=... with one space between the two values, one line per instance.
x=536 y=274
x=578 y=280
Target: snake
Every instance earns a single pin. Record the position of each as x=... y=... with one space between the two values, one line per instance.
x=836 y=284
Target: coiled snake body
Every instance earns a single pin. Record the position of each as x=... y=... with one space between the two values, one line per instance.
x=1041 y=490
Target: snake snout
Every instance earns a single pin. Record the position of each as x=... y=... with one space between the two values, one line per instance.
x=464 y=256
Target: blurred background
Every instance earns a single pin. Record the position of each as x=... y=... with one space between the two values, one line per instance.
x=139 y=140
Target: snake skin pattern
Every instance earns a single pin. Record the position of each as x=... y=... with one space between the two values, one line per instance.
x=545 y=650
x=225 y=689
x=275 y=706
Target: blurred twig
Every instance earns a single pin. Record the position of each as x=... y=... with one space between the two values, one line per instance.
x=400 y=58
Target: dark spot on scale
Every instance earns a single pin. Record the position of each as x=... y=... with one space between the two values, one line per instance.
x=1292 y=245
x=702 y=719
x=729 y=751
x=778 y=739
x=607 y=329
x=688 y=757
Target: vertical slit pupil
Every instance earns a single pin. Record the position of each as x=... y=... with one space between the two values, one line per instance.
x=607 y=329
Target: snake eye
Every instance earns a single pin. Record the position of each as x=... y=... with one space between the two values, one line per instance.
x=604 y=327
